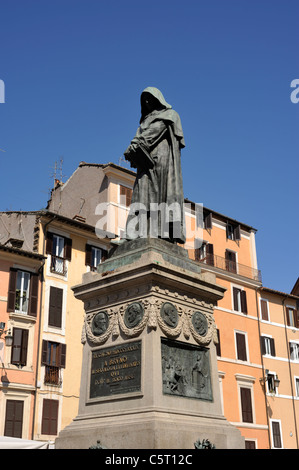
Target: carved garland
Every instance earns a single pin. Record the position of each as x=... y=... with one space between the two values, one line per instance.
x=132 y=317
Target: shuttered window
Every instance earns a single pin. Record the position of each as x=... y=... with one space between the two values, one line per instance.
x=246 y=405
x=50 y=417
x=53 y=354
x=94 y=256
x=55 y=306
x=240 y=300
x=125 y=195
x=264 y=310
x=241 y=346
x=292 y=317
x=268 y=346
x=230 y=261
x=14 y=418
x=276 y=436
x=22 y=292
x=19 y=347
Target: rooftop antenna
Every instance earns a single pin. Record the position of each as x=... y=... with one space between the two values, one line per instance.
x=57 y=174
x=123 y=162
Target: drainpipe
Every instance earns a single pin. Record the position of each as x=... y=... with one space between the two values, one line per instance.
x=262 y=361
x=40 y=325
x=290 y=369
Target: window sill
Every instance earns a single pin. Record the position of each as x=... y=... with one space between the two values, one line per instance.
x=22 y=316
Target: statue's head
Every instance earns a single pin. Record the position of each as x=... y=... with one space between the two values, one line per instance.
x=152 y=99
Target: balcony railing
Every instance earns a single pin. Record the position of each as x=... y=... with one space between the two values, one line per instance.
x=58 y=265
x=231 y=266
x=52 y=375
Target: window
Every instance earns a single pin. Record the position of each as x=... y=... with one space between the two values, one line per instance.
x=22 y=292
x=276 y=435
x=94 y=256
x=241 y=352
x=125 y=195
x=250 y=444
x=246 y=405
x=264 y=310
x=19 y=347
x=267 y=346
x=292 y=317
x=297 y=386
x=270 y=383
x=205 y=254
x=230 y=261
x=60 y=249
x=239 y=300
x=14 y=418
x=294 y=351
x=233 y=232
x=55 y=307
x=49 y=417
x=53 y=358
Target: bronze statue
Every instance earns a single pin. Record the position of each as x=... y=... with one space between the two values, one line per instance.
x=155 y=151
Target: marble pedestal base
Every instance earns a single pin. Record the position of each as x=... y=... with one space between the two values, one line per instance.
x=149 y=372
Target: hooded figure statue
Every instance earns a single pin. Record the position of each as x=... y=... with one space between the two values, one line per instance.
x=157 y=200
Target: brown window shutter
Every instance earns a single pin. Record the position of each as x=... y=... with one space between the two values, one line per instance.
x=55 y=307
x=263 y=347
x=237 y=232
x=288 y=316
x=62 y=355
x=24 y=347
x=241 y=347
x=235 y=297
x=243 y=302
x=45 y=352
x=33 y=295
x=296 y=318
x=16 y=346
x=68 y=248
x=210 y=254
x=272 y=346
x=14 y=418
x=88 y=255
x=208 y=221
x=264 y=309
x=246 y=405
x=49 y=417
x=11 y=299
x=276 y=434
x=49 y=243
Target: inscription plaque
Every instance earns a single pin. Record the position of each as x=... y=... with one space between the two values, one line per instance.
x=115 y=370
x=186 y=370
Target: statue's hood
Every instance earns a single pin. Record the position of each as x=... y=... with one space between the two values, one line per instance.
x=158 y=95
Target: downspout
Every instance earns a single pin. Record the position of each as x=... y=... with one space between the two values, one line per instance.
x=40 y=325
x=290 y=369
x=263 y=367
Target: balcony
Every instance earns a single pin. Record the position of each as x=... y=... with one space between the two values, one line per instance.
x=52 y=375
x=231 y=266
x=58 y=265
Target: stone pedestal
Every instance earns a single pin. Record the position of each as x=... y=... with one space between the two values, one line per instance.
x=149 y=374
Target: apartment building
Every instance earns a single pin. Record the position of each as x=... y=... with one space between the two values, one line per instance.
x=20 y=287
x=279 y=330
x=72 y=235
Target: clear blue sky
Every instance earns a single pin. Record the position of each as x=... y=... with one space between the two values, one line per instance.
x=73 y=73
